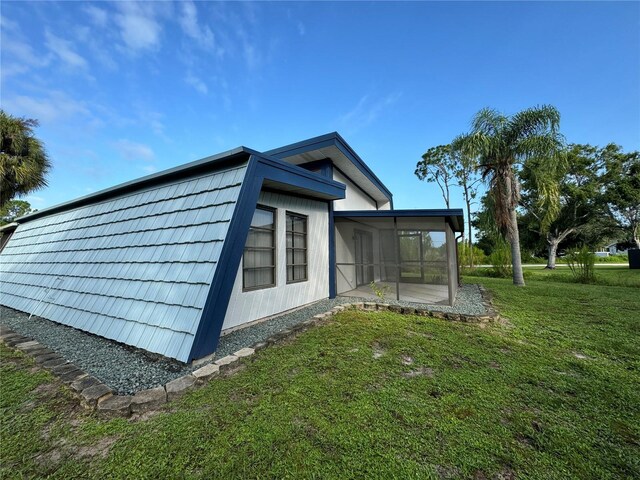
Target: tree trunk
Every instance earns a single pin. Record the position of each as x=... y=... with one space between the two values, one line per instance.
x=552 y=250
x=516 y=260
x=469 y=223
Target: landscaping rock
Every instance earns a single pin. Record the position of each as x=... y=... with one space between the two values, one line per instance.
x=40 y=351
x=395 y=308
x=83 y=383
x=176 y=388
x=40 y=359
x=50 y=364
x=244 y=352
x=94 y=394
x=205 y=373
x=24 y=346
x=225 y=362
x=148 y=400
x=370 y=306
x=115 y=406
x=72 y=376
x=204 y=360
x=64 y=368
x=260 y=346
x=15 y=340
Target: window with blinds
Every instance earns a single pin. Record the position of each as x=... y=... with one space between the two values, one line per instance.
x=259 y=259
x=296 y=248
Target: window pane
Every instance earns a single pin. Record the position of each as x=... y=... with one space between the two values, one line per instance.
x=262 y=218
x=300 y=272
x=289 y=240
x=299 y=224
x=258 y=258
x=259 y=252
x=289 y=256
x=299 y=257
x=299 y=241
x=259 y=238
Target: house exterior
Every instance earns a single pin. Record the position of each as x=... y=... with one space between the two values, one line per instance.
x=171 y=261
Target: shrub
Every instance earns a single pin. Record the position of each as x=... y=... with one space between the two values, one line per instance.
x=582 y=264
x=470 y=256
x=500 y=259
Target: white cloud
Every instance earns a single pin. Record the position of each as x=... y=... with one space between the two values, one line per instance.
x=301 y=29
x=149 y=169
x=139 y=27
x=189 y=23
x=196 y=83
x=134 y=151
x=19 y=57
x=63 y=49
x=366 y=112
x=97 y=15
x=53 y=108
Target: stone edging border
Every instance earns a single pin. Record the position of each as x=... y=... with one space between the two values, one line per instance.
x=97 y=396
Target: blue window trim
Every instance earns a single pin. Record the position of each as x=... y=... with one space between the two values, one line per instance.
x=259 y=169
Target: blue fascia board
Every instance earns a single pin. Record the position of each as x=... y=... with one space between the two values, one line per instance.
x=259 y=169
x=455 y=214
x=289 y=174
x=229 y=157
x=327 y=140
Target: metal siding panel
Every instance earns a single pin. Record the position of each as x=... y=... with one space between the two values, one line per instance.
x=128 y=264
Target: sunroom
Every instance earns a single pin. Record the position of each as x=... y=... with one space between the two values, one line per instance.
x=405 y=255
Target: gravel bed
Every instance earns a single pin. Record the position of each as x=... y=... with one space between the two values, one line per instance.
x=127 y=369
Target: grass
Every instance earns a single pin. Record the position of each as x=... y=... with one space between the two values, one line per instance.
x=606 y=275
x=553 y=393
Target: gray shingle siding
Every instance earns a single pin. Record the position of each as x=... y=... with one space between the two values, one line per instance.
x=136 y=268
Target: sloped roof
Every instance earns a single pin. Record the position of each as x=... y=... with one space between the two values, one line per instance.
x=136 y=268
x=148 y=262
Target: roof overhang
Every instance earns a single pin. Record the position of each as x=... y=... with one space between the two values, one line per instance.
x=454 y=216
x=334 y=147
x=285 y=177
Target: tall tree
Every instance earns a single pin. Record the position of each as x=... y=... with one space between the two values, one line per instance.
x=447 y=166
x=623 y=190
x=581 y=201
x=14 y=209
x=24 y=163
x=501 y=144
x=437 y=166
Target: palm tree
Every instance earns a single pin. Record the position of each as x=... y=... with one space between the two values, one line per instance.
x=23 y=161
x=501 y=144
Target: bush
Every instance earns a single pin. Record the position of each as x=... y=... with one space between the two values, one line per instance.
x=582 y=264
x=470 y=256
x=500 y=258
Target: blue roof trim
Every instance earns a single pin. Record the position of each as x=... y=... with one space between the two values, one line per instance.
x=455 y=214
x=260 y=168
x=215 y=161
x=332 y=139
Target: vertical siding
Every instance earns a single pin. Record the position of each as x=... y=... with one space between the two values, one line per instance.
x=136 y=268
x=354 y=199
x=249 y=306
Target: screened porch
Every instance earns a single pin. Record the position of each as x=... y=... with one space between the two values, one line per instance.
x=400 y=255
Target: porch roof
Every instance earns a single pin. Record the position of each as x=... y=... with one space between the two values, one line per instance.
x=453 y=215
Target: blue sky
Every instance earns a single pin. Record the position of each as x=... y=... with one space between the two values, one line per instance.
x=126 y=89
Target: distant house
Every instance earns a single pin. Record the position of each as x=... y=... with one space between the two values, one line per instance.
x=610 y=249
x=169 y=262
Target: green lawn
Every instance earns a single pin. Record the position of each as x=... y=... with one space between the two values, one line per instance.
x=614 y=275
x=607 y=275
x=552 y=393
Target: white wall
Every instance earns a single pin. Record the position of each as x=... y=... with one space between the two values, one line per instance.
x=249 y=306
x=354 y=199
x=345 y=253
